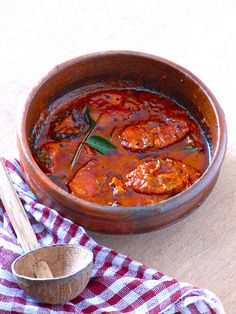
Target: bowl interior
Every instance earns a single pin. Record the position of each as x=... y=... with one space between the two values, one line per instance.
x=126 y=71
x=123 y=69
x=62 y=260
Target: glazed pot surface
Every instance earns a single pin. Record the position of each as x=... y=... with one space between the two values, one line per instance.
x=123 y=69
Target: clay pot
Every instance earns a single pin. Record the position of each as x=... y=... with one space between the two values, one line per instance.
x=124 y=69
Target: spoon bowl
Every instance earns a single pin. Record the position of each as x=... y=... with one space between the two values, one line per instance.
x=71 y=267
x=54 y=274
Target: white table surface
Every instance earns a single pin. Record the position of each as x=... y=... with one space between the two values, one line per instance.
x=199 y=35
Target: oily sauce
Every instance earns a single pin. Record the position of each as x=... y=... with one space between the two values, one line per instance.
x=159 y=149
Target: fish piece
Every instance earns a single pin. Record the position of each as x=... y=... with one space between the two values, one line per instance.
x=161 y=176
x=52 y=156
x=137 y=138
x=89 y=181
x=153 y=134
x=70 y=124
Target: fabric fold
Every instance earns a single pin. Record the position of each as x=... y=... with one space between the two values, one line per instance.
x=118 y=284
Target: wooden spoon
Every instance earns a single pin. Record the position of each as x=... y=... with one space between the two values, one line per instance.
x=52 y=274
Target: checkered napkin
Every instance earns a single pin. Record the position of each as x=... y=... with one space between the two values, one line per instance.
x=118 y=284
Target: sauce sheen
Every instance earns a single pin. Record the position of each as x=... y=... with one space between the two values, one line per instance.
x=160 y=150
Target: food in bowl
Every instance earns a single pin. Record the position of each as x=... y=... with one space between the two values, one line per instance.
x=120 y=70
x=120 y=147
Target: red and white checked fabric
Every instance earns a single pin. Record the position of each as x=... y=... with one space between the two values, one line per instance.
x=118 y=284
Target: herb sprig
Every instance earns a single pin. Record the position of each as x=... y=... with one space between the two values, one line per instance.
x=99 y=143
x=192 y=148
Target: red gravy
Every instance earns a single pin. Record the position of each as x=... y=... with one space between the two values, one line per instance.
x=159 y=149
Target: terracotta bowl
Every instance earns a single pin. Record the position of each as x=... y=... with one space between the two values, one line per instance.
x=124 y=69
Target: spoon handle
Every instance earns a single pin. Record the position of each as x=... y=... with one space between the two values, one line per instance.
x=20 y=221
x=16 y=212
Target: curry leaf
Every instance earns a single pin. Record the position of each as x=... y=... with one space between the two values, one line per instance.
x=100 y=144
x=191 y=147
x=92 y=123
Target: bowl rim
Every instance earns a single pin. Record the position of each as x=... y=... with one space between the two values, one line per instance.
x=88 y=264
x=81 y=204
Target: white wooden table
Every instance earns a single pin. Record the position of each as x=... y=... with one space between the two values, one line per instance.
x=199 y=35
